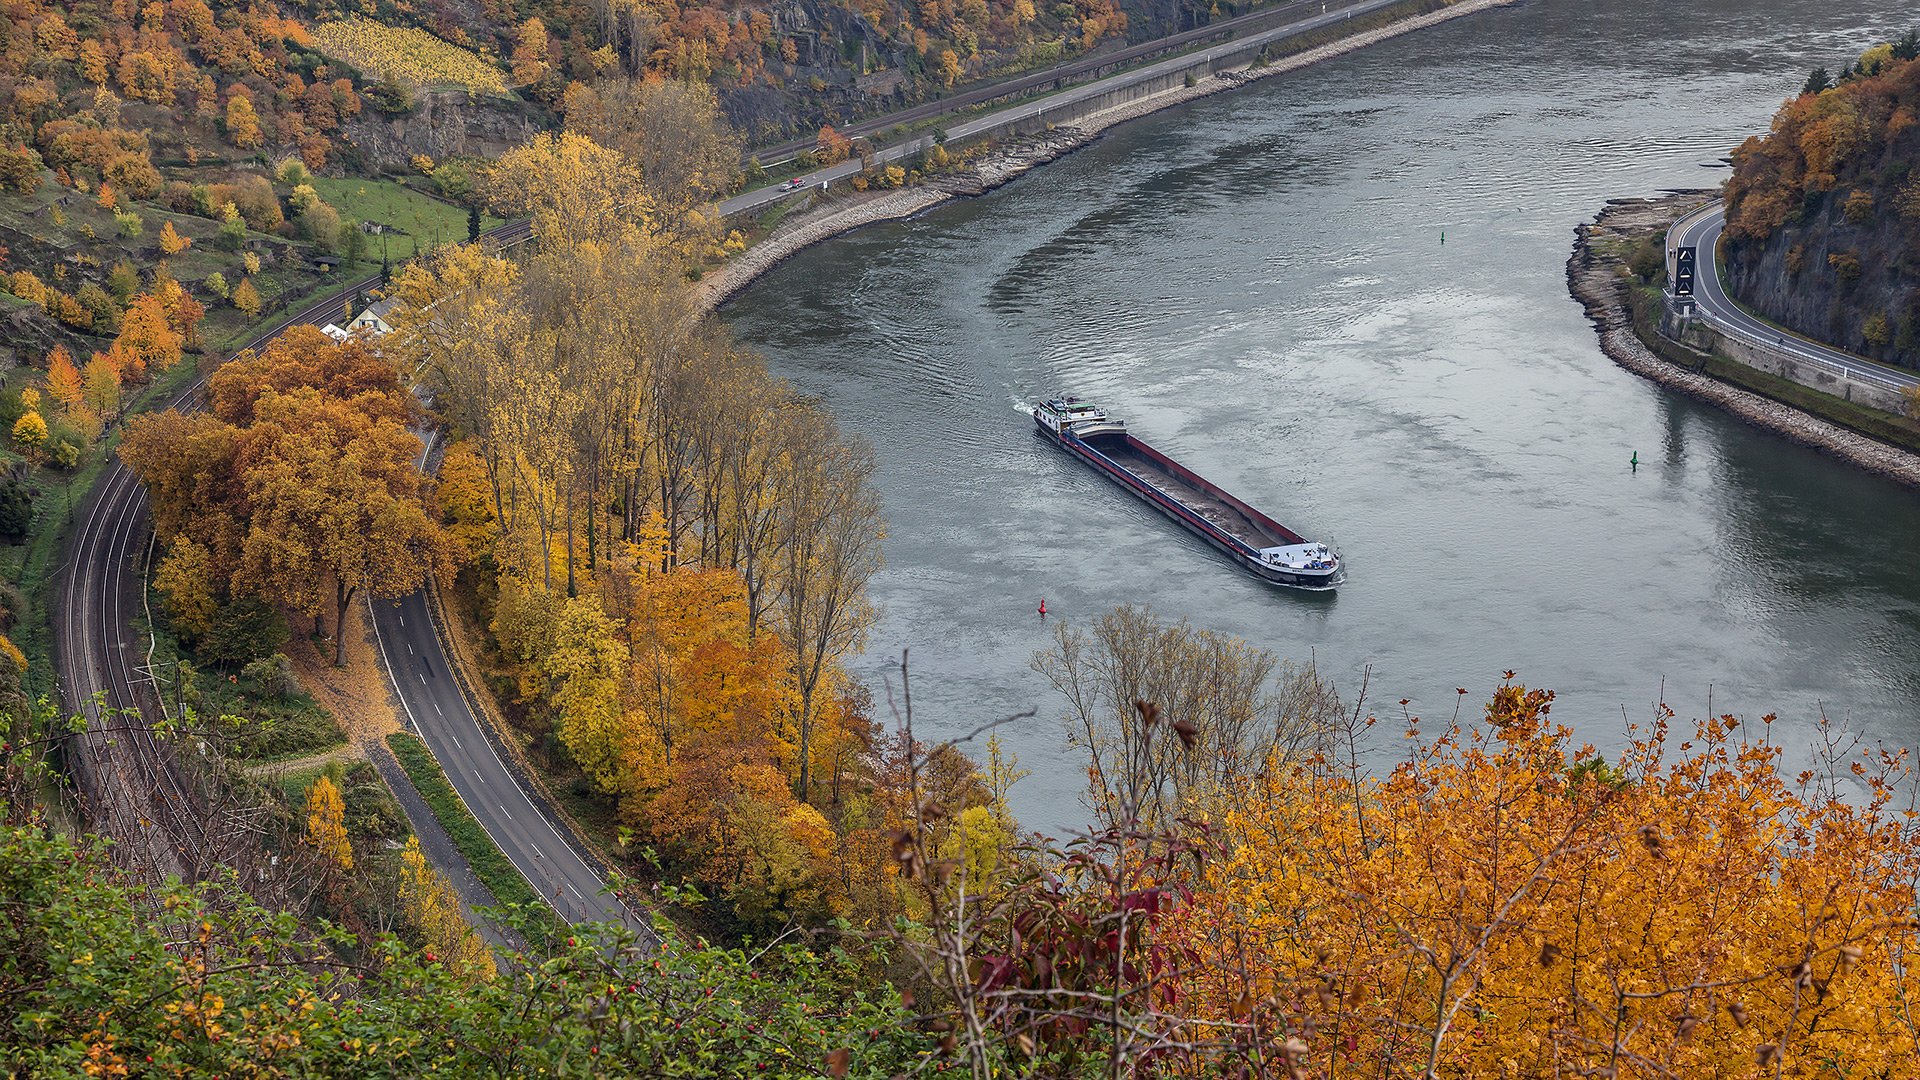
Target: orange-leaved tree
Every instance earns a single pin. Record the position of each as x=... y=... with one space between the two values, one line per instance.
x=301 y=485
x=1507 y=904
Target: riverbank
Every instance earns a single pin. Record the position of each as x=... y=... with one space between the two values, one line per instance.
x=1017 y=156
x=1598 y=277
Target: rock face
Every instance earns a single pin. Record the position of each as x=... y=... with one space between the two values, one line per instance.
x=443 y=124
x=1823 y=212
x=1830 y=277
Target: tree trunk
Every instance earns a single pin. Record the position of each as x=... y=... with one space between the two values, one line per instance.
x=341 y=596
x=806 y=740
x=572 y=589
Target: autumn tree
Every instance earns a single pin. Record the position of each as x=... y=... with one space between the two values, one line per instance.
x=302 y=484
x=673 y=132
x=1506 y=900
x=63 y=379
x=243 y=124
x=101 y=387
x=246 y=298
x=171 y=242
x=434 y=909
x=830 y=548
x=530 y=53
x=149 y=340
x=327 y=823
x=186 y=578
x=831 y=146
x=575 y=190
x=30 y=432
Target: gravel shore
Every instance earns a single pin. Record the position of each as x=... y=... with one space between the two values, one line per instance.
x=844 y=214
x=1596 y=280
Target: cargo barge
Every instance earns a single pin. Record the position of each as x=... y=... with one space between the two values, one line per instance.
x=1272 y=551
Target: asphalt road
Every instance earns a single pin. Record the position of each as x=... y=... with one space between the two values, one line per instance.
x=1021 y=84
x=436 y=709
x=131 y=778
x=1702 y=231
x=754 y=200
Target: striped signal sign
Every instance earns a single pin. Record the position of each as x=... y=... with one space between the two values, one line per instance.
x=1683 y=271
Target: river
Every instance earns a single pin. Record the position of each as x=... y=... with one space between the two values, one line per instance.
x=1258 y=283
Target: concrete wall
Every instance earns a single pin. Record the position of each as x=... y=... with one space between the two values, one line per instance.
x=1707 y=338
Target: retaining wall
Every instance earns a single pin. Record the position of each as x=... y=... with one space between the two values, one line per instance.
x=1708 y=338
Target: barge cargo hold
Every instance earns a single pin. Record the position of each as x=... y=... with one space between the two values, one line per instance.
x=1272 y=551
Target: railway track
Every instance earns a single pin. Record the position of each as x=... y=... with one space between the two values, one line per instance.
x=132 y=784
x=1060 y=73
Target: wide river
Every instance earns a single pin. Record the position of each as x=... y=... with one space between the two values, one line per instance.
x=1258 y=283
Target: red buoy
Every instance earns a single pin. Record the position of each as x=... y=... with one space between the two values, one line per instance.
x=1043 y=607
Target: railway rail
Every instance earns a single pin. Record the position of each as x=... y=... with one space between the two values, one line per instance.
x=131 y=783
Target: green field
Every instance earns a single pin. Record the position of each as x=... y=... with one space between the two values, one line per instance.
x=419 y=220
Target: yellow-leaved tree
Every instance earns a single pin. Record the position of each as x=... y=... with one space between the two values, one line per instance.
x=327 y=823
x=575 y=190
x=434 y=908
x=171 y=240
x=1507 y=904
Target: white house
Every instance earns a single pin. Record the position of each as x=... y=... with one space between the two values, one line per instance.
x=372 y=321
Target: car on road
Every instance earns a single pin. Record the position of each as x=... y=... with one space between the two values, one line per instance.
x=794 y=184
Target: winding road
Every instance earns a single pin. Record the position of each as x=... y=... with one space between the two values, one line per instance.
x=130 y=780
x=1701 y=230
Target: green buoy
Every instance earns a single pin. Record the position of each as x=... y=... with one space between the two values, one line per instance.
x=1636 y=461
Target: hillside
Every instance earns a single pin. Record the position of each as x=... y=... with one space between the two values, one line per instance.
x=1823 y=214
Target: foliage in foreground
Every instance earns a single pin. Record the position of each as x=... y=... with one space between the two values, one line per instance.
x=102 y=977
x=1505 y=903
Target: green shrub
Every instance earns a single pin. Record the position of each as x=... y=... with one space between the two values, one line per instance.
x=245 y=630
x=16 y=508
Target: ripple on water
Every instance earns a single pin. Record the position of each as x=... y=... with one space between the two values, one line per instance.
x=1256 y=281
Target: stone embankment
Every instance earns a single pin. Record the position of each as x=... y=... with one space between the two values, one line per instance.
x=1014 y=156
x=1598 y=278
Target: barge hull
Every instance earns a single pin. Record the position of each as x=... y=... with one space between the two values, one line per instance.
x=1198 y=505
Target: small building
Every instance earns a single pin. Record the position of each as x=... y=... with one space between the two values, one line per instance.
x=335 y=332
x=372 y=320
x=326 y=263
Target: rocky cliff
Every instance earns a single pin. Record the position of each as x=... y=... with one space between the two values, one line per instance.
x=1823 y=230
x=441 y=124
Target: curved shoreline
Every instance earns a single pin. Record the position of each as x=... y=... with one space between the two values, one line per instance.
x=1595 y=278
x=847 y=214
